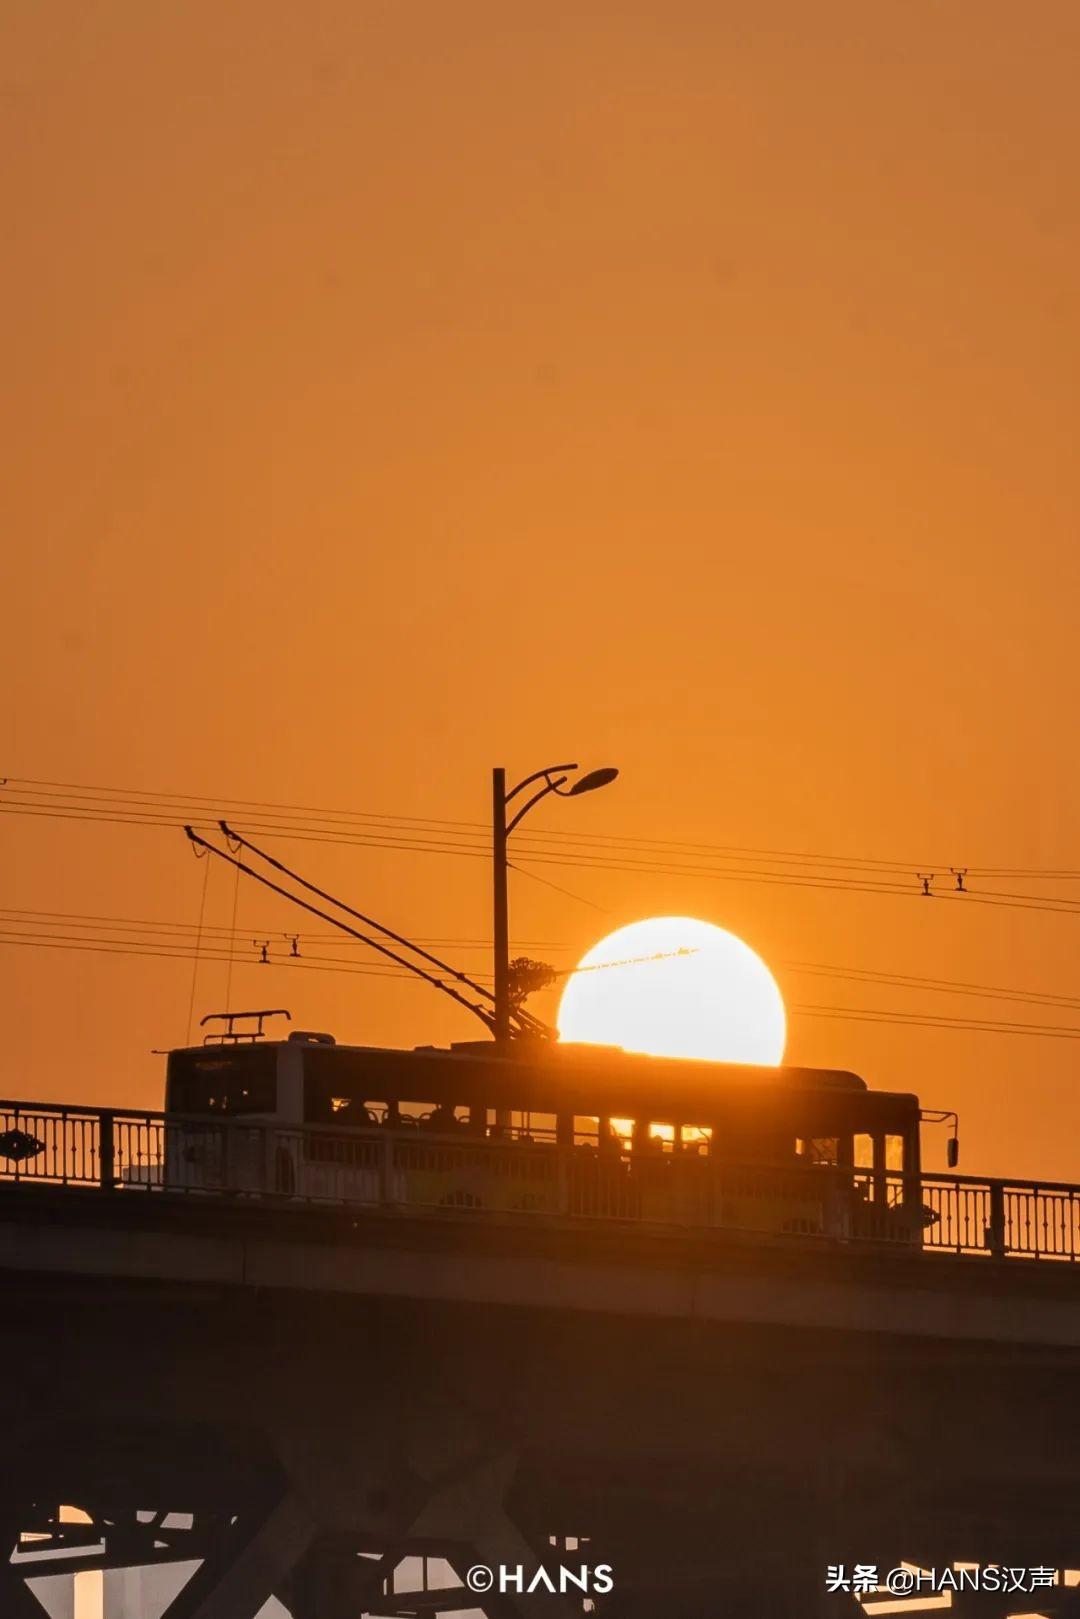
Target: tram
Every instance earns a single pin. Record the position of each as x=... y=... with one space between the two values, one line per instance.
x=473 y=1126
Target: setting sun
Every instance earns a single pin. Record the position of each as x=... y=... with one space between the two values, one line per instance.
x=673 y=986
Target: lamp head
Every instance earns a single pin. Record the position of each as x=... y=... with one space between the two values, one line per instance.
x=593 y=779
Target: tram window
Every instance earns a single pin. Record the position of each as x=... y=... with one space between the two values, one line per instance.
x=351 y=1111
x=330 y=1099
x=696 y=1139
x=623 y=1131
x=439 y=1116
x=655 y=1137
x=818 y=1149
x=240 y=1098
x=586 y=1130
x=894 y=1153
x=521 y=1124
x=415 y=1113
x=863 y=1151
x=540 y=1126
x=242 y=1082
x=518 y=1124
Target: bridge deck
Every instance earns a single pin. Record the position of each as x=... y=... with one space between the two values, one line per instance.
x=449 y=1255
x=153 y=1154
x=658 y=1373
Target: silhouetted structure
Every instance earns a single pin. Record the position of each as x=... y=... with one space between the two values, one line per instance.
x=300 y=1350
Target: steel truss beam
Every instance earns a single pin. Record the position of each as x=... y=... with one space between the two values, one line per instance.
x=250 y=1564
x=113 y=1542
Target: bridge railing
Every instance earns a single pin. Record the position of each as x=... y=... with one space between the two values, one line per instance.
x=129 y=1151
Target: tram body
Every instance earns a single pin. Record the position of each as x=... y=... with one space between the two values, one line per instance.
x=468 y=1128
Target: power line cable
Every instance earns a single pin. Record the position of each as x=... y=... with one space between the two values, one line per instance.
x=861 y=1014
x=182 y=930
x=568 y=893
x=846 y=1014
x=945 y=986
x=154 y=952
x=141 y=922
x=565 y=855
x=568 y=860
x=215 y=805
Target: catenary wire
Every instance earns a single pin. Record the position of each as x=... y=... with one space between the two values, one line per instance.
x=569 y=860
x=849 y=1014
x=474 y=828
x=23 y=919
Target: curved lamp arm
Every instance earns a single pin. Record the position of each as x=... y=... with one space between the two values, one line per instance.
x=554 y=784
x=537 y=775
x=551 y=787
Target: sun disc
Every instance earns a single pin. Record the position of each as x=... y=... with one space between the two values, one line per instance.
x=674 y=986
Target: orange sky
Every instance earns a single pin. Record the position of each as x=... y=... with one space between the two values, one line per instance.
x=396 y=389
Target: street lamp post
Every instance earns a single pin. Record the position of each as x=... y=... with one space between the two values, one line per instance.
x=501 y=929
x=554 y=779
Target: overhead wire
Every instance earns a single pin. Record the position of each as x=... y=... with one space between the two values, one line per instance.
x=847 y=1014
x=569 y=851
x=570 y=859
x=994 y=992
x=173 y=822
x=157 y=802
x=566 y=892
x=152 y=951
x=142 y=922
x=864 y=1014
x=23 y=920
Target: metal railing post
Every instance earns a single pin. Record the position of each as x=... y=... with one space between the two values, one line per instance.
x=995 y=1231
x=268 y=1157
x=106 y=1152
x=562 y=1180
x=386 y=1168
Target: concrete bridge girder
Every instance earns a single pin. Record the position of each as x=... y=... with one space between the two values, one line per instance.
x=479 y=1428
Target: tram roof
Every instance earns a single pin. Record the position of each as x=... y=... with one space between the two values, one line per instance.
x=601 y=1063
x=613 y=1061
